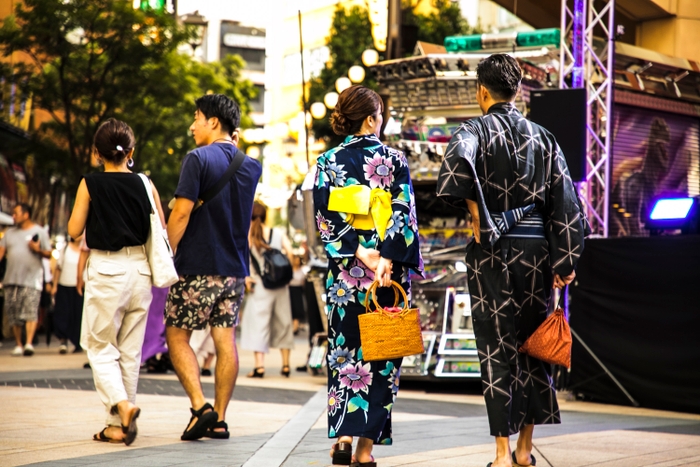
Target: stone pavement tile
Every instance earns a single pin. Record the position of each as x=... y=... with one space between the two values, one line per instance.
x=28 y=433
x=617 y=448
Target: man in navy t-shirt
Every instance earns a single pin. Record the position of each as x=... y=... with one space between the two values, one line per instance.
x=211 y=257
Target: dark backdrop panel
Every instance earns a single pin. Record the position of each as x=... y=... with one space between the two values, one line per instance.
x=563 y=112
x=636 y=304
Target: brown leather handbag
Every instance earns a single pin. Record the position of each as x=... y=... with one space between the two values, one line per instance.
x=391 y=332
x=551 y=341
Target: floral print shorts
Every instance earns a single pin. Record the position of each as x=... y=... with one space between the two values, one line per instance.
x=195 y=301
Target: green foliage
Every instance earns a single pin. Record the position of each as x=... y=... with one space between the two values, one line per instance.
x=96 y=59
x=445 y=20
x=350 y=35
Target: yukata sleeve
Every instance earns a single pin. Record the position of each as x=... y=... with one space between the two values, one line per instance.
x=401 y=243
x=565 y=224
x=456 y=179
x=339 y=237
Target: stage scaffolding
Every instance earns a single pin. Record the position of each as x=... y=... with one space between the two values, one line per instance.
x=582 y=66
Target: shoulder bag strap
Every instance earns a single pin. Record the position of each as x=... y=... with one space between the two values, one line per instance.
x=230 y=172
x=256 y=265
x=147 y=185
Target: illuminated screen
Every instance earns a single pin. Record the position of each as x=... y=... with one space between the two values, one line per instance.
x=656 y=155
x=671 y=208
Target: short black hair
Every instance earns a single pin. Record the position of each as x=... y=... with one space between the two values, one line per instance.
x=221 y=107
x=26 y=209
x=501 y=75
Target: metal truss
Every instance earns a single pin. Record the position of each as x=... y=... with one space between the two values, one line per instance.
x=582 y=66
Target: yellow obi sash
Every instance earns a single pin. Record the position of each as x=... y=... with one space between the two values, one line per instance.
x=366 y=208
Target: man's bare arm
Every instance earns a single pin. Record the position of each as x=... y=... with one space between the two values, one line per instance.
x=179 y=218
x=474 y=211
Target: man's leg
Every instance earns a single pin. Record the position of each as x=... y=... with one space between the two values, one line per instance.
x=502 y=452
x=226 y=367
x=31 y=330
x=524 y=446
x=185 y=363
x=17 y=331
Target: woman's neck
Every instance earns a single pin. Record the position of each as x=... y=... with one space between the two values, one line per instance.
x=109 y=167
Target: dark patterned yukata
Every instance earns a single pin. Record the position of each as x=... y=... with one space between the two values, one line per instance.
x=531 y=225
x=361 y=394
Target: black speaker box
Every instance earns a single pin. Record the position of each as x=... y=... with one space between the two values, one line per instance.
x=563 y=112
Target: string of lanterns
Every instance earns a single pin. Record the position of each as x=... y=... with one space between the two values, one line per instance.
x=356 y=74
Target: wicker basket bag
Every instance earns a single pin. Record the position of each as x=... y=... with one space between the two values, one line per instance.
x=388 y=333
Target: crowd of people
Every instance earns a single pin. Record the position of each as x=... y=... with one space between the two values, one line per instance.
x=506 y=172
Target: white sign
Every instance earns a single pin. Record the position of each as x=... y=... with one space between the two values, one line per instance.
x=244 y=40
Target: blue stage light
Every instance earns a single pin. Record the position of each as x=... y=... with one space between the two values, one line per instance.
x=674 y=208
x=674 y=214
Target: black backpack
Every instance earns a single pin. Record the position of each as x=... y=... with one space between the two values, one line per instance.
x=277 y=270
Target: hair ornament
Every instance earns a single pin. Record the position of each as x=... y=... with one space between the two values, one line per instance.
x=119 y=148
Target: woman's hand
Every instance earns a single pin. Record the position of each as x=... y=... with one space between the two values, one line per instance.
x=369 y=257
x=560 y=282
x=383 y=272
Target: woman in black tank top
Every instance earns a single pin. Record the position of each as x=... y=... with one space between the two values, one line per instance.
x=113 y=209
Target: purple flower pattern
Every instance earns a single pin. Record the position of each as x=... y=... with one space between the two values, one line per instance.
x=325 y=228
x=356 y=377
x=357 y=275
x=379 y=171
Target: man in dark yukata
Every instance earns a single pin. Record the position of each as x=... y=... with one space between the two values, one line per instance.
x=528 y=236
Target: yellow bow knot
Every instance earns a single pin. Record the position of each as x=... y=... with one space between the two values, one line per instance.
x=366 y=208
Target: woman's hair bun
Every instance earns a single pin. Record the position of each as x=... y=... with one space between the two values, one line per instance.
x=354 y=105
x=340 y=123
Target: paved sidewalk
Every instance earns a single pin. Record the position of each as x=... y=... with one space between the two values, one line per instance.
x=50 y=412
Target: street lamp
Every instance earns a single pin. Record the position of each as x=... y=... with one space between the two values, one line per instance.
x=356 y=74
x=318 y=110
x=330 y=99
x=342 y=83
x=198 y=26
x=370 y=57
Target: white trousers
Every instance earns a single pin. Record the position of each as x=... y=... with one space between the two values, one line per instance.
x=267 y=320
x=117 y=297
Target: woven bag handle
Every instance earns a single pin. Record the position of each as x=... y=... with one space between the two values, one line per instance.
x=397 y=289
x=374 y=285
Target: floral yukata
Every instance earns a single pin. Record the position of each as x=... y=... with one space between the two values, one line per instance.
x=361 y=394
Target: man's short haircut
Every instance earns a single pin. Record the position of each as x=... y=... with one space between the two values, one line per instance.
x=26 y=209
x=501 y=75
x=221 y=107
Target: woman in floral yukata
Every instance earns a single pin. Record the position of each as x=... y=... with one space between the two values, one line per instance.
x=361 y=394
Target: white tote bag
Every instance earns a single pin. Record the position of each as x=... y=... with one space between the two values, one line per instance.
x=160 y=255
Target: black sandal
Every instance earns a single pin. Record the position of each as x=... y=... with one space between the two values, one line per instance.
x=212 y=433
x=257 y=373
x=342 y=454
x=131 y=430
x=371 y=463
x=101 y=436
x=204 y=422
x=285 y=371
x=533 y=461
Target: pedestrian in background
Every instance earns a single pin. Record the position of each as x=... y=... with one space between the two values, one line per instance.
x=211 y=256
x=25 y=246
x=267 y=316
x=528 y=235
x=296 y=294
x=361 y=394
x=68 y=303
x=113 y=208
